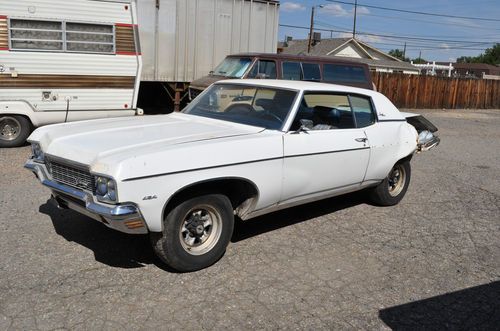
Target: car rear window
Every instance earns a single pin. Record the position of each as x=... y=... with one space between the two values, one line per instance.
x=339 y=73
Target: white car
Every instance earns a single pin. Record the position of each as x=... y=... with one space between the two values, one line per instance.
x=241 y=148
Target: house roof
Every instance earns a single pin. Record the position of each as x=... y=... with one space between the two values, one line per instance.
x=479 y=66
x=327 y=47
x=299 y=46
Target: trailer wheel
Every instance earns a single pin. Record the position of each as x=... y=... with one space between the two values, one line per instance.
x=14 y=130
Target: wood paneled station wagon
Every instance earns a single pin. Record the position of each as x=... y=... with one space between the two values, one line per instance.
x=241 y=149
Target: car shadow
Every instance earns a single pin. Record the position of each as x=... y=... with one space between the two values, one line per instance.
x=122 y=250
x=290 y=216
x=110 y=247
x=475 y=308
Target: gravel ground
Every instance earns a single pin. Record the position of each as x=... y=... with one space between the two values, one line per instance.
x=433 y=261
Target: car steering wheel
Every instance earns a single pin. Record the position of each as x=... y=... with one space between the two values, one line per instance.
x=242 y=108
x=276 y=117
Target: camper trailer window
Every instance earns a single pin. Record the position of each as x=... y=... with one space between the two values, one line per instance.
x=61 y=36
x=94 y=38
x=36 y=35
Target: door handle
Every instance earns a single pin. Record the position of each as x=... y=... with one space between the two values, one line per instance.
x=361 y=140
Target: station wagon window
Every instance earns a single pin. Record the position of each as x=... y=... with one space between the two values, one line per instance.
x=311 y=71
x=61 y=36
x=292 y=71
x=232 y=67
x=263 y=69
x=343 y=73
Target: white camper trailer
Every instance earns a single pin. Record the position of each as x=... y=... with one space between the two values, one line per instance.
x=82 y=59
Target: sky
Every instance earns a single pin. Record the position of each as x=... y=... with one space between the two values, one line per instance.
x=437 y=38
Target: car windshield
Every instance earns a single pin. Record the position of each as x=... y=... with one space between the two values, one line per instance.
x=233 y=67
x=245 y=104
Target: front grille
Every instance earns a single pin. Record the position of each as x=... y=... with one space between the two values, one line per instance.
x=72 y=176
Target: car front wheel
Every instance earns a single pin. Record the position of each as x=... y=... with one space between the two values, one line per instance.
x=196 y=233
x=393 y=188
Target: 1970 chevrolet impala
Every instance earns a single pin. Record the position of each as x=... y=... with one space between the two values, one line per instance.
x=243 y=148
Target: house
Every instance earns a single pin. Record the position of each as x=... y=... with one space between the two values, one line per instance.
x=350 y=49
x=476 y=70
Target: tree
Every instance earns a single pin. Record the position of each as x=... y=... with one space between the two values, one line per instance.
x=397 y=53
x=490 y=56
x=419 y=60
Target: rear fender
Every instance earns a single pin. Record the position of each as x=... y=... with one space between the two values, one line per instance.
x=427 y=137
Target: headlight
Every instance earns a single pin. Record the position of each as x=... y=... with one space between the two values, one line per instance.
x=37 y=152
x=105 y=189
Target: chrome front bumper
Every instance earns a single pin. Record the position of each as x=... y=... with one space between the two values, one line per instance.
x=124 y=218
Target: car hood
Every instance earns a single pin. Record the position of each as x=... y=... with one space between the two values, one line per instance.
x=88 y=142
x=205 y=81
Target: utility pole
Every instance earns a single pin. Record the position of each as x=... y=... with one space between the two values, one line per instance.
x=354 y=25
x=311 y=30
x=404 y=52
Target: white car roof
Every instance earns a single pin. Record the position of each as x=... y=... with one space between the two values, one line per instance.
x=384 y=107
x=299 y=85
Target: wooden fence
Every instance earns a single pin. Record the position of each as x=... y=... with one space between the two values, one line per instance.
x=418 y=91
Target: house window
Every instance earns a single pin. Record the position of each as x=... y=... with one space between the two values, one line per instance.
x=61 y=36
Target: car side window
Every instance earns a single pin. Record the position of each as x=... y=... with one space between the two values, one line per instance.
x=324 y=111
x=292 y=70
x=363 y=111
x=339 y=73
x=311 y=71
x=263 y=69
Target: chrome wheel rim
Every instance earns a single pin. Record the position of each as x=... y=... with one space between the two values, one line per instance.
x=10 y=128
x=396 y=180
x=200 y=229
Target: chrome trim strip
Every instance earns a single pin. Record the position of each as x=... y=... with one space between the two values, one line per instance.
x=243 y=162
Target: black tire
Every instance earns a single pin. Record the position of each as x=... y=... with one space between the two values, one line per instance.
x=14 y=130
x=390 y=191
x=183 y=225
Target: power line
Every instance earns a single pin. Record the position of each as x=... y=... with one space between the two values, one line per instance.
x=431 y=22
x=411 y=35
x=393 y=36
x=417 y=12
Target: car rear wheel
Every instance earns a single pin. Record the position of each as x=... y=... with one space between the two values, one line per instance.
x=393 y=188
x=196 y=233
x=14 y=130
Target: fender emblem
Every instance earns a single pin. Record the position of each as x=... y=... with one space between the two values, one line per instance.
x=150 y=197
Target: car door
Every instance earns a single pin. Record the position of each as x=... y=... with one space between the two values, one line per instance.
x=329 y=153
